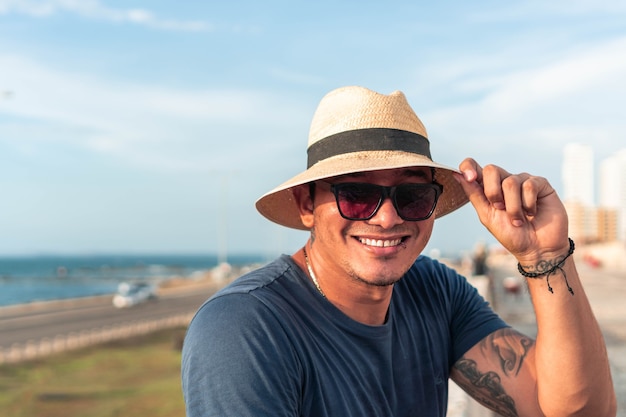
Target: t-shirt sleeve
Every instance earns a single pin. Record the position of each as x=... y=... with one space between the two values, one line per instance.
x=237 y=361
x=472 y=318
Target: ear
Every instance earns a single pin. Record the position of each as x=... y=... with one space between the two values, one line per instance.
x=304 y=201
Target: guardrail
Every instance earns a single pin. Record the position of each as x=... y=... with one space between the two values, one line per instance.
x=33 y=349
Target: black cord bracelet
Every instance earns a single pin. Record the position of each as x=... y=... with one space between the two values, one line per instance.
x=552 y=270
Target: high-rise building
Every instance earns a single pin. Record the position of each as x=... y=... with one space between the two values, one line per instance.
x=578 y=193
x=577 y=174
x=612 y=188
x=608 y=225
x=582 y=222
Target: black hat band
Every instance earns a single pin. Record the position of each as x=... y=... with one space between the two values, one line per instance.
x=374 y=139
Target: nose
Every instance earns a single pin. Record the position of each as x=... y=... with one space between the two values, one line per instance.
x=387 y=215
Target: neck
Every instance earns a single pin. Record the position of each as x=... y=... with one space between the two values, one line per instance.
x=362 y=302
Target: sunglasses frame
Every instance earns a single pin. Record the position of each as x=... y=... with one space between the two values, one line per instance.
x=387 y=192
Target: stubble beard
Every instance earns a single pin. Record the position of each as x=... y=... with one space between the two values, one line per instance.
x=381 y=281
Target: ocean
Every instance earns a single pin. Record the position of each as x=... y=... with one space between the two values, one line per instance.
x=27 y=279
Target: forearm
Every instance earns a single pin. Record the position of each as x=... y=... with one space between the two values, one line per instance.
x=571 y=362
x=568 y=363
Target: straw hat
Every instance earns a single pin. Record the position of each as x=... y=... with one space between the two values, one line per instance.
x=354 y=130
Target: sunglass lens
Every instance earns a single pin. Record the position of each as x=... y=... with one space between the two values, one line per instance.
x=358 y=201
x=415 y=201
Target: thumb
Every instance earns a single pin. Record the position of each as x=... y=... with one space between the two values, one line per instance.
x=472 y=188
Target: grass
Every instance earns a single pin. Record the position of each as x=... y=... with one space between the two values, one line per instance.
x=134 y=377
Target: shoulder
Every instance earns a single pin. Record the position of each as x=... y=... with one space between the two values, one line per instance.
x=268 y=304
x=240 y=339
x=430 y=285
x=430 y=275
x=252 y=296
x=260 y=278
x=451 y=298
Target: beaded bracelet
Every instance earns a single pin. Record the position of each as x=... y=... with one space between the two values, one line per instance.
x=552 y=270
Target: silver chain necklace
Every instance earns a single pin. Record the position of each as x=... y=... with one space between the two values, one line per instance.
x=311 y=273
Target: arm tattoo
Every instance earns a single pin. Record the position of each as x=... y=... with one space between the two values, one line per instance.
x=508 y=348
x=486 y=388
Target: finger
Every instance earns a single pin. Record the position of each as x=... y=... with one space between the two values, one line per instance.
x=533 y=189
x=471 y=182
x=493 y=177
x=515 y=199
x=471 y=170
x=473 y=190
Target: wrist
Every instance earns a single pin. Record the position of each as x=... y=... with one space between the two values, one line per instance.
x=547 y=267
x=541 y=261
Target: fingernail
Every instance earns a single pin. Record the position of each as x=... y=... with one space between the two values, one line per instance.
x=517 y=223
x=499 y=205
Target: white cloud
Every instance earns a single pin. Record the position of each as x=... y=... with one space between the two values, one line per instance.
x=584 y=79
x=581 y=73
x=145 y=125
x=93 y=9
x=533 y=9
x=521 y=114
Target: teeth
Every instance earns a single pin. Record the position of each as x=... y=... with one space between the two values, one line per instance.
x=380 y=243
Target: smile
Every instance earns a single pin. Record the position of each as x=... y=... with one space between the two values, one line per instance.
x=380 y=243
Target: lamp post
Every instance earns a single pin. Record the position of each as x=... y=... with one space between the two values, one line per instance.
x=222 y=218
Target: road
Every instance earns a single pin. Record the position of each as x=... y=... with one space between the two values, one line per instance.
x=21 y=324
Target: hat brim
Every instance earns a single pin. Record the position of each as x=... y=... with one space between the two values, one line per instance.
x=279 y=205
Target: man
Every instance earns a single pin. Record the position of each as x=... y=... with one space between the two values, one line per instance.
x=358 y=323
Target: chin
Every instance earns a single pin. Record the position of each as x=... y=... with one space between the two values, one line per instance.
x=381 y=279
x=381 y=271
x=386 y=282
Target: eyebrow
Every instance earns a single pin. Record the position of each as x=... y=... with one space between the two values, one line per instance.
x=420 y=173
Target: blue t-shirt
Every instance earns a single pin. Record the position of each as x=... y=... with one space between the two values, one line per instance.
x=270 y=344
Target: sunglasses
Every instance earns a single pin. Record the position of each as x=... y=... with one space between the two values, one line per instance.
x=361 y=201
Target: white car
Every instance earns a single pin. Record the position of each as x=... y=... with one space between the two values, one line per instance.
x=130 y=294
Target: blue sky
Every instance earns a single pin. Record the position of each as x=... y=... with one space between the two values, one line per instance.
x=153 y=126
